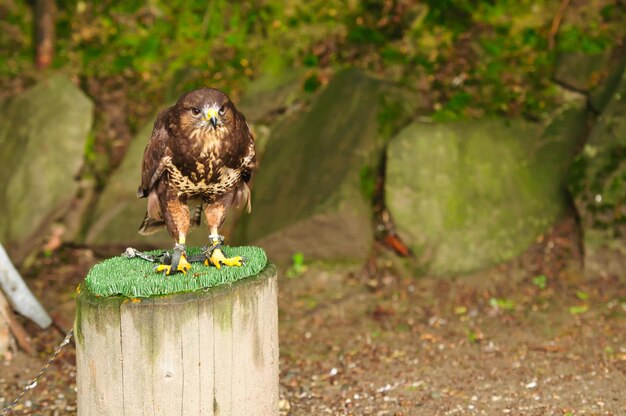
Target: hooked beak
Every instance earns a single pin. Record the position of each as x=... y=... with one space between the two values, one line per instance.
x=211 y=116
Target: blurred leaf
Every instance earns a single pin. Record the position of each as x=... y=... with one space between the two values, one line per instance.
x=577 y=310
x=460 y=310
x=504 y=304
x=540 y=281
x=582 y=295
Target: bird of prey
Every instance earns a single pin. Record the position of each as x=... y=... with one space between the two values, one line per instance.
x=200 y=149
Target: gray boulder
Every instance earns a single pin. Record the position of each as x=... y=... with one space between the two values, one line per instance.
x=599 y=187
x=270 y=94
x=43 y=132
x=602 y=95
x=467 y=195
x=580 y=70
x=309 y=194
x=595 y=74
x=274 y=91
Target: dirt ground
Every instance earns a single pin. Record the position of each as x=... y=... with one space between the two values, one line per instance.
x=376 y=341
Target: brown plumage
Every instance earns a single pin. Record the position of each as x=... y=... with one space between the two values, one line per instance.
x=200 y=149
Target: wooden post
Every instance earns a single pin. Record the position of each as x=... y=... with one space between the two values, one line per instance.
x=212 y=352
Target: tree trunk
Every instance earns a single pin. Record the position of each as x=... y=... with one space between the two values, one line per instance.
x=200 y=353
x=44 y=32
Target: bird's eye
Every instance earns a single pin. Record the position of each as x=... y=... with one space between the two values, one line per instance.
x=222 y=110
x=195 y=111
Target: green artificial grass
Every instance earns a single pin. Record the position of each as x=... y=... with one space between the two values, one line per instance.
x=136 y=278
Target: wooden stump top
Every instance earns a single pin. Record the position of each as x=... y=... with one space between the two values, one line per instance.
x=136 y=278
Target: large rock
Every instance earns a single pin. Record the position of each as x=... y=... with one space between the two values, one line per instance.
x=595 y=74
x=468 y=195
x=309 y=194
x=42 y=139
x=599 y=188
x=600 y=97
x=580 y=70
x=274 y=91
x=269 y=95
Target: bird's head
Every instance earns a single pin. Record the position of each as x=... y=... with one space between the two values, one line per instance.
x=206 y=111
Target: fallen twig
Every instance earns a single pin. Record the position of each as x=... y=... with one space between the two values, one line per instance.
x=17 y=330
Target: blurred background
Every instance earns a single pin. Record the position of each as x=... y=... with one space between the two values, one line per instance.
x=440 y=182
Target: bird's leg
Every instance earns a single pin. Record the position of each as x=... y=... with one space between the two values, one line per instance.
x=179 y=260
x=215 y=215
x=216 y=257
x=176 y=215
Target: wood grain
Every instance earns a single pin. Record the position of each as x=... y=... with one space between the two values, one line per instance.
x=211 y=352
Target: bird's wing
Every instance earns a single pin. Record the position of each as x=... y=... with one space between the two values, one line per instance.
x=249 y=159
x=156 y=156
x=243 y=194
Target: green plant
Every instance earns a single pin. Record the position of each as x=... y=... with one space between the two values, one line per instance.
x=540 y=281
x=297 y=266
x=502 y=303
x=579 y=309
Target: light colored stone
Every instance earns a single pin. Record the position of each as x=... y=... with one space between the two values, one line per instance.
x=43 y=133
x=468 y=195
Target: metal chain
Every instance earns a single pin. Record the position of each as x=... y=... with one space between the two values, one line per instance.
x=166 y=257
x=35 y=380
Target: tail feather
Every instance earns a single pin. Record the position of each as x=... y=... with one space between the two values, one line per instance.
x=150 y=225
x=242 y=196
x=196 y=218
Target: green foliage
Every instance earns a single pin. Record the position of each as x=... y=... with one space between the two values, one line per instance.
x=473 y=57
x=90 y=151
x=311 y=83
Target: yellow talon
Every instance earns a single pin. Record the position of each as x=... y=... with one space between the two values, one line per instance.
x=183 y=266
x=218 y=260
